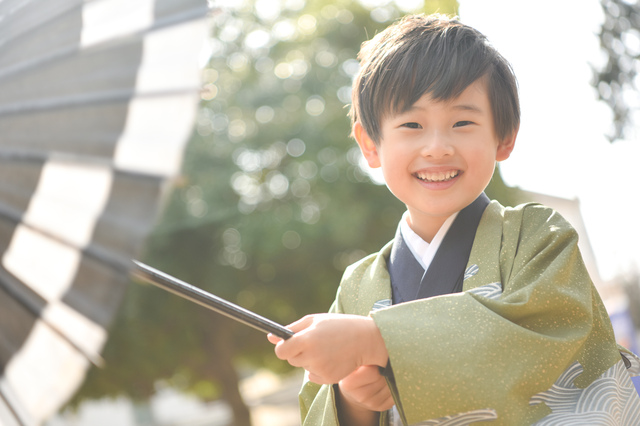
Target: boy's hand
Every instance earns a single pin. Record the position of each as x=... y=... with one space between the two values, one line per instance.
x=366 y=388
x=330 y=346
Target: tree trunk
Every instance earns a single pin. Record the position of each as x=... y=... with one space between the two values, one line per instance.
x=219 y=344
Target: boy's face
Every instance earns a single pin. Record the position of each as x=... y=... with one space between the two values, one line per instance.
x=438 y=157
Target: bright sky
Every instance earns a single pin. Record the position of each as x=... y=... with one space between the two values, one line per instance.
x=561 y=149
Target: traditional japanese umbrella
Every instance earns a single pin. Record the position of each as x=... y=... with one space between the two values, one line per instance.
x=97 y=98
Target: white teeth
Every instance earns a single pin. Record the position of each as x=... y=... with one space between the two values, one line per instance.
x=438 y=176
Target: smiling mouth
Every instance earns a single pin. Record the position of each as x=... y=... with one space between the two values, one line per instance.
x=438 y=176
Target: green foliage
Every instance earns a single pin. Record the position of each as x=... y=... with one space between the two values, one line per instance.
x=506 y=195
x=616 y=80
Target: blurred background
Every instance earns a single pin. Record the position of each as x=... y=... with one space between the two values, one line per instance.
x=274 y=200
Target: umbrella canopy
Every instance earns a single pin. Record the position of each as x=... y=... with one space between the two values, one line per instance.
x=97 y=99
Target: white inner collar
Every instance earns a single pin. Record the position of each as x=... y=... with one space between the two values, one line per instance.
x=422 y=250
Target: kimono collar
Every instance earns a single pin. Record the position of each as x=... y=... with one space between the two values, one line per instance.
x=409 y=280
x=422 y=250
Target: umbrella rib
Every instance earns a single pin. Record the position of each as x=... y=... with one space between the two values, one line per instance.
x=12 y=154
x=193 y=14
x=120 y=263
x=26 y=30
x=35 y=155
x=35 y=304
x=89 y=99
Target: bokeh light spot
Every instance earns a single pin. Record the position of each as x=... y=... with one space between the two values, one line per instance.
x=315 y=105
x=307 y=24
x=296 y=147
x=264 y=114
x=291 y=240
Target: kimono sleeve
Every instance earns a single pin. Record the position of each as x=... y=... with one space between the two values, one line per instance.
x=318 y=402
x=469 y=351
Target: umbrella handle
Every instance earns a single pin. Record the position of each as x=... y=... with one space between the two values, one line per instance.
x=208 y=300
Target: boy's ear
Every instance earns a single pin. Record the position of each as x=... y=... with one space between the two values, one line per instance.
x=506 y=146
x=367 y=145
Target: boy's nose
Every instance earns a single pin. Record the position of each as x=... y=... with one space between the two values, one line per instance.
x=436 y=145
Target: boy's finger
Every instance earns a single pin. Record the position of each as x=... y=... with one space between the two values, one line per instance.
x=319 y=380
x=365 y=374
x=273 y=338
x=287 y=351
x=301 y=324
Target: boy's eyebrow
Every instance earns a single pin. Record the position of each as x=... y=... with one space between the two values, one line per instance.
x=467 y=107
x=459 y=107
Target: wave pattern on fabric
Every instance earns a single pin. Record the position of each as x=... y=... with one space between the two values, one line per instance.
x=610 y=400
x=471 y=271
x=490 y=291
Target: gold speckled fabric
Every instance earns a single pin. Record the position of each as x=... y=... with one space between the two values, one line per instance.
x=468 y=351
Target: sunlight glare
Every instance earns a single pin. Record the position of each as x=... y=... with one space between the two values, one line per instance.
x=267 y=10
x=409 y=5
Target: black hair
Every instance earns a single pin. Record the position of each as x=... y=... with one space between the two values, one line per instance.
x=431 y=54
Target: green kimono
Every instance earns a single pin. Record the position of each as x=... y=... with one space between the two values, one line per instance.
x=521 y=344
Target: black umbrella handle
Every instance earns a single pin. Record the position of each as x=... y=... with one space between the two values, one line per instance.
x=208 y=300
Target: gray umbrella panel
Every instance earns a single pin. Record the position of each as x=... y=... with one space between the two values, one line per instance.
x=97 y=99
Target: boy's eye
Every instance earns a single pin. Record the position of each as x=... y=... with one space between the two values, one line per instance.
x=412 y=125
x=462 y=123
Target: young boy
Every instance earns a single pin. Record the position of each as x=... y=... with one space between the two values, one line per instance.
x=474 y=312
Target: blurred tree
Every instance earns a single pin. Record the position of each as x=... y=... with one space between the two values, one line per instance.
x=273 y=204
x=616 y=81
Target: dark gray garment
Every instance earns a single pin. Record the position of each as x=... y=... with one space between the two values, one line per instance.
x=409 y=281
